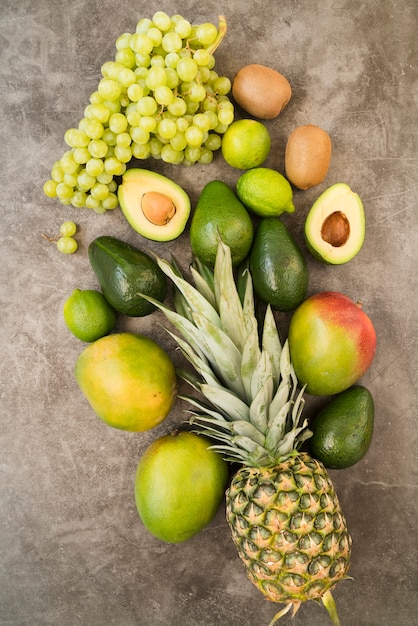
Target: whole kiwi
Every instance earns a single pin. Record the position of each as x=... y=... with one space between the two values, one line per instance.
x=261 y=91
x=307 y=156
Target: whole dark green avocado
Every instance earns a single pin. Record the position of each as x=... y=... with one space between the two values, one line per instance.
x=343 y=429
x=278 y=267
x=124 y=272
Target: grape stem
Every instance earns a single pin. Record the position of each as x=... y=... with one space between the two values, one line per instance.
x=222 y=28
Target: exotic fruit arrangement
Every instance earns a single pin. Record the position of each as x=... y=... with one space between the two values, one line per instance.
x=161 y=99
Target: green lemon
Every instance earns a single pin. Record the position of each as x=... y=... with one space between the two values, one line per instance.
x=246 y=144
x=88 y=315
x=265 y=192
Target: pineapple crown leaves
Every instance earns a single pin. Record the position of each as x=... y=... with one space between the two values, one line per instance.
x=251 y=406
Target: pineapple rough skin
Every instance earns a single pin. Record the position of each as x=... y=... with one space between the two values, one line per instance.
x=289 y=529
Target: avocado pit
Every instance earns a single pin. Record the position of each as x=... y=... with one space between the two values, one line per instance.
x=158 y=208
x=336 y=229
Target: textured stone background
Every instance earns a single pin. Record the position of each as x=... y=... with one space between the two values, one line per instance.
x=72 y=548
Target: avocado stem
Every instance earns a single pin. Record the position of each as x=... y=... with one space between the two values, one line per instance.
x=222 y=28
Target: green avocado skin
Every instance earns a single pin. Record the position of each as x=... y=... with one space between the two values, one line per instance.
x=124 y=272
x=343 y=430
x=220 y=214
x=278 y=268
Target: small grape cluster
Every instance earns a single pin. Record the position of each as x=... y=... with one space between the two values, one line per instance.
x=160 y=97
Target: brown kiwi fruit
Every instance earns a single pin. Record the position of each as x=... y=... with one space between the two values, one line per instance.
x=261 y=91
x=307 y=156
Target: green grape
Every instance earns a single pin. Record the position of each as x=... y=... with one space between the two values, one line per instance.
x=155 y=147
x=225 y=116
x=141 y=151
x=170 y=155
x=148 y=123
x=161 y=20
x=126 y=57
x=155 y=35
x=192 y=107
x=182 y=123
x=99 y=191
x=111 y=69
x=197 y=93
x=109 y=89
x=99 y=113
x=85 y=181
x=56 y=173
x=112 y=186
x=147 y=106
x=123 y=139
x=194 y=136
x=70 y=179
x=68 y=164
x=93 y=129
x=182 y=27
x=143 y=25
x=192 y=154
x=206 y=33
x=123 y=41
x=92 y=202
x=105 y=178
x=114 y=106
x=202 y=121
x=142 y=60
x=111 y=202
x=68 y=229
x=157 y=60
x=213 y=119
x=163 y=95
x=78 y=199
x=81 y=155
x=50 y=188
x=96 y=98
x=67 y=245
x=123 y=153
x=139 y=135
x=166 y=128
x=201 y=56
x=202 y=75
x=172 y=78
x=156 y=77
x=171 y=60
x=177 y=107
x=213 y=142
x=114 y=166
x=133 y=117
x=206 y=156
x=118 y=123
x=75 y=138
x=109 y=137
x=222 y=85
x=100 y=209
x=187 y=69
x=135 y=92
x=178 y=141
x=126 y=77
x=94 y=166
x=98 y=148
x=172 y=42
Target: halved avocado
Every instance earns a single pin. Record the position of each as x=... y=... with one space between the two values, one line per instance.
x=335 y=225
x=155 y=206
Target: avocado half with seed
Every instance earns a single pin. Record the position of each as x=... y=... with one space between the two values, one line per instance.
x=335 y=225
x=155 y=206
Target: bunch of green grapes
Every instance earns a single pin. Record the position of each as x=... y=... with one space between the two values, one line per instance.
x=159 y=98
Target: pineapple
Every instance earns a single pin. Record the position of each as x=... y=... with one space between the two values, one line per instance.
x=282 y=508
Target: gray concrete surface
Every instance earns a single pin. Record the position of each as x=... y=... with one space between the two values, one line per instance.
x=72 y=548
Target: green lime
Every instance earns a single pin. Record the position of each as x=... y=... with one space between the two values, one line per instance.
x=265 y=192
x=246 y=144
x=88 y=315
